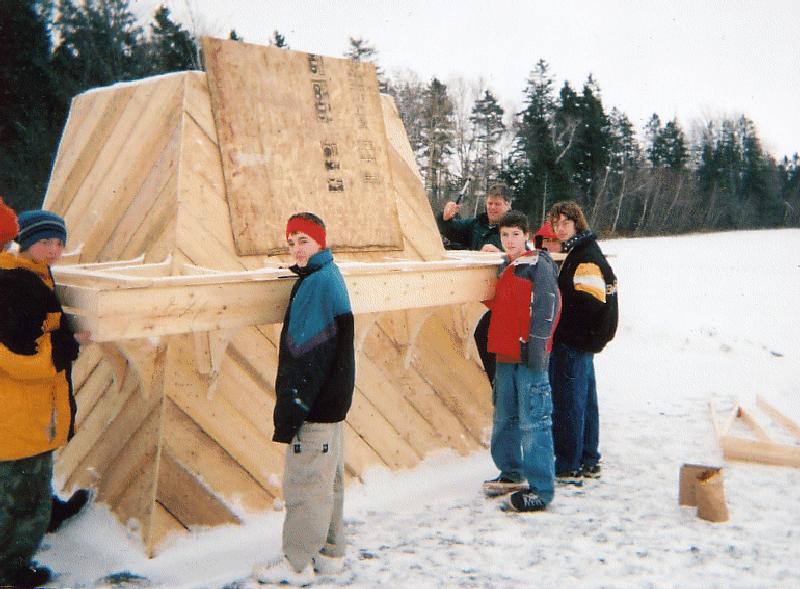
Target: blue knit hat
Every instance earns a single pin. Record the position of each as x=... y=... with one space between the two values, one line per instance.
x=39 y=224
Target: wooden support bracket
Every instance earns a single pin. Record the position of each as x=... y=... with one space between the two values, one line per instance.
x=416 y=319
x=209 y=350
x=136 y=355
x=363 y=325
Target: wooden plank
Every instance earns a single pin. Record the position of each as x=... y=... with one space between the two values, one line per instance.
x=454 y=391
x=734 y=448
x=198 y=453
x=218 y=419
x=117 y=151
x=163 y=527
x=384 y=349
x=381 y=370
x=129 y=483
x=754 y=426
x=388 y=399
x=439 y=343
x=91 y=391
x=197 y=105
x=93 y=116
x=336 y=152
x=788 y=424
x=433 y=408
x=157 y=182
x=255 y=353
x=131 y=172
x=359 y=456
x=187 y=498
x=722 y=429
x=202 y=203
x=251 y=401
x=168 y=307
x=86 y=363
x=85 y=457
x=380 y=434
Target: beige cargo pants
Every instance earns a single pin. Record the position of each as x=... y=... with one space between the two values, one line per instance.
x=313 y=488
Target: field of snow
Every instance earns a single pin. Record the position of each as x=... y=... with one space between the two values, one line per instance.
x=702 y=316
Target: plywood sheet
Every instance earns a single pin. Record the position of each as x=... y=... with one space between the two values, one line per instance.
x=301 y=132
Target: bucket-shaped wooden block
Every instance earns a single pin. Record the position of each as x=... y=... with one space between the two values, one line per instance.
x=701 y=485
x=689 y=475
x=710 y=495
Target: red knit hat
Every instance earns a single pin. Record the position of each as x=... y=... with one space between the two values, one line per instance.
x=9 y=227
x=546 y=231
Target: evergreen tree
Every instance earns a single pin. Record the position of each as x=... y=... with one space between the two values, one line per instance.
x=100 y=43
x=487 y=121
x=408 y=92
x=759 y=186
x=278 y=40
x=624 y=159
x=30 y=113
x=624 y=149
x=593 y=137
x=437 y=139
x=172 y=48
x=361 y=50
x=653 y=132
x=534 y=165
x=672 y=145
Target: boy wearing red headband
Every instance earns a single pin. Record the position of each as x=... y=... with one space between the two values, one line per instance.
x=313 y=392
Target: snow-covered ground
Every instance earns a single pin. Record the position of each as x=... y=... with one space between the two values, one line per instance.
x=702 y=316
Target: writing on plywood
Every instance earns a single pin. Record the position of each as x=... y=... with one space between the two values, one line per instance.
x=301 y=132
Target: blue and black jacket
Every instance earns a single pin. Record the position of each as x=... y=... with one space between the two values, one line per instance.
x=316 y=360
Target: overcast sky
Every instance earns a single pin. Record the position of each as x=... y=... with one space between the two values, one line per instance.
x=692 y=59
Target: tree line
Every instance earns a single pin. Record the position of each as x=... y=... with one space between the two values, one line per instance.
x=563 y=144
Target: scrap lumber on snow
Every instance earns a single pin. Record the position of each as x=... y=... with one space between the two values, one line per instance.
x=763 y=448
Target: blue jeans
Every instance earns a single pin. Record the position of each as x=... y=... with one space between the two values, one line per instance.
x=576 y=420
x=522 y=439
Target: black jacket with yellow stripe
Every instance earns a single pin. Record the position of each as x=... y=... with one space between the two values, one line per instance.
x=588 y=287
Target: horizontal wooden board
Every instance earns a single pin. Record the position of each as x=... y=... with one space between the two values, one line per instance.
x=163 y=306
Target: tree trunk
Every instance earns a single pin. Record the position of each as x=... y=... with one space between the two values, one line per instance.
x=619 y=203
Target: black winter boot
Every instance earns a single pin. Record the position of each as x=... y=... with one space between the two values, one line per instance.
x=63 y=510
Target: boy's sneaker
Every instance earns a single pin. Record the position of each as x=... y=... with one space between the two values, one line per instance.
x=283 y=573
x=571 y=477
x=327 y=565
x=591 y=472
x=502 y=485
x=525 y=501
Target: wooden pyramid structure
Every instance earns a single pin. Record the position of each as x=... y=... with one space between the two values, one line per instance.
x=180 y=186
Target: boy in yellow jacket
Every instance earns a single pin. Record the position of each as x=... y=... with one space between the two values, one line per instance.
x=36 y=352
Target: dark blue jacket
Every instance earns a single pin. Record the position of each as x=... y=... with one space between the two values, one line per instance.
x=473 y=233
x=316 y=360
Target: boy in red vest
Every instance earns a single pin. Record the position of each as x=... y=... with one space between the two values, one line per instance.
x=525 y=313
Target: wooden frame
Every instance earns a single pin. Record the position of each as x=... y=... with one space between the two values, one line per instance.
x=124 y=302
x=763 y=449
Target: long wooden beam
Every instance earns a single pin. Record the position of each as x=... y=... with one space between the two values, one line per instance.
x=116 y=306
x=778 y=417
